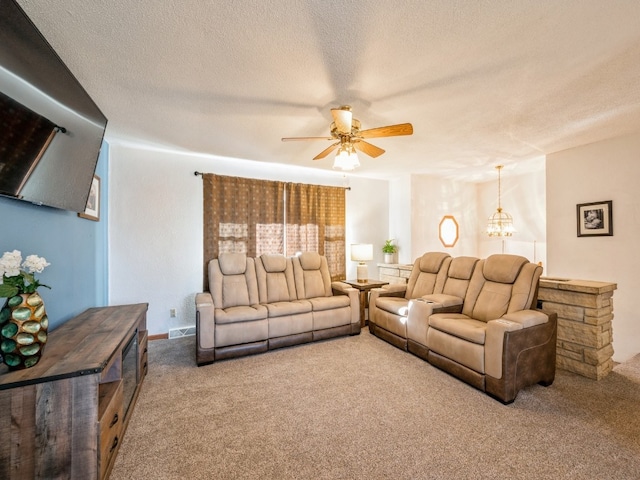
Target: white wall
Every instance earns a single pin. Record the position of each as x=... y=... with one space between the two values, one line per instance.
x=155 y=223
x=367 y=220
x=607 y=170
x=400 y=217
x=431 y=199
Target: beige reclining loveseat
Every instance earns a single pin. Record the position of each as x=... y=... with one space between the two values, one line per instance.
x=485 y=328
x=254 y=305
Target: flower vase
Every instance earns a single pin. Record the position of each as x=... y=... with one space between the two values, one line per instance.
x=23 y=330
x=389 y=258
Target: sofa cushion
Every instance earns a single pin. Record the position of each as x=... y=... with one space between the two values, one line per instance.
x=234 y=291
x=232 y=263
x=462 y=267
x=460 y=326
x=329 y=303
x=432 y=261
x=493 y=301
x=311 y=274
x=281 y=309
x=275 y=279
x=241 y=332
x=459 y=350
x=274 y=263
x=278 y=289
x=428 y=274
x=525 y=288
x=240 y=314
x=503 y=268
x=310 y=260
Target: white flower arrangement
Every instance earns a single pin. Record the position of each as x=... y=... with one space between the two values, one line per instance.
x=18 y=277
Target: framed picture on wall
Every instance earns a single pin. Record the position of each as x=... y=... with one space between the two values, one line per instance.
x=92 y=210
x=595 y=219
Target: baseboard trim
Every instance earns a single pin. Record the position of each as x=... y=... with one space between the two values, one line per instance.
x=160 y=336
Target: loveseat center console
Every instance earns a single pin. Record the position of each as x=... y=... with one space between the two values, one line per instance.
x=66 y=416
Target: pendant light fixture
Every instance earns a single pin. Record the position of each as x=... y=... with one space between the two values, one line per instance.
x=500 y=224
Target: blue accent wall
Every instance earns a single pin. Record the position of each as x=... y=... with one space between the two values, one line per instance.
x=75 y=247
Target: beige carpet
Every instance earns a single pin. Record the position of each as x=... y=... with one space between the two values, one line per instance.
x=358 y=408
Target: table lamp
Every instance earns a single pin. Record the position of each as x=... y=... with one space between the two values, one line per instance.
x=361 y=253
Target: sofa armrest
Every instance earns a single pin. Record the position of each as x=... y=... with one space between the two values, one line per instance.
x=528 y=357
x=341 y=288
x=392 y=290
x=496 y=331
x=205 y=328
x=527 y=318
x=418 y=320
x=442 y=300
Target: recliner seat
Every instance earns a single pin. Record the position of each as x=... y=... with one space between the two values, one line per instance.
x=389 y=305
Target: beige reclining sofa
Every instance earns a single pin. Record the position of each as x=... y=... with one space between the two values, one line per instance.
x=255 y=305
x=480 y=324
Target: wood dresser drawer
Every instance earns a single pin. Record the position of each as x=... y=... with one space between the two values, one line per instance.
x=111 y=416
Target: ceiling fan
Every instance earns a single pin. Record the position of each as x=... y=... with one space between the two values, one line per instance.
x=346 y=130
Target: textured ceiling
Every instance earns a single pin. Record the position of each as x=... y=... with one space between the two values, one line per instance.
x=482 y=82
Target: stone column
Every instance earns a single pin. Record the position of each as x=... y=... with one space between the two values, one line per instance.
x=585 y=314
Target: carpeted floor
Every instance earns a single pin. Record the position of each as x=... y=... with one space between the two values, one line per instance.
x=358 y=408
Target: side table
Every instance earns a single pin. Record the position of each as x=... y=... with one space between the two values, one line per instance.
x=364 y=288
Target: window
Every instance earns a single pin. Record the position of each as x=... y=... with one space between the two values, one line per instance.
x=260 y=216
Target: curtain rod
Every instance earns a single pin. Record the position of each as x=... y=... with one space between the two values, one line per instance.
x=196 y=173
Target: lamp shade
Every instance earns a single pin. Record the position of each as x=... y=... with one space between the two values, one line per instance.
x=361 y=252
x=346 y=160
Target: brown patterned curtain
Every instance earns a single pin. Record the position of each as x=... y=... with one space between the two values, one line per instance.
x=241 y=215
x=316 y=222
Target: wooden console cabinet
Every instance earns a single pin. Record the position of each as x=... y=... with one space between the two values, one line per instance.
x=65 y=417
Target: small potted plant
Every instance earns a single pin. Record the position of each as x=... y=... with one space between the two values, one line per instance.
x=389 y=249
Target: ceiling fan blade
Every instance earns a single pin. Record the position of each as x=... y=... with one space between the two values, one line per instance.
x=292 y=139
x=326 y=151
x=388 y=131
x=342 y=118
x=368 y=148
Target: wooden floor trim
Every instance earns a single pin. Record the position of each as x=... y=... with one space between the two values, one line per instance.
x=160 y=336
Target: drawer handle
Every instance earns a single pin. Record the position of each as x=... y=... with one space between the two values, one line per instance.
x=114 y=421
x=114 y=444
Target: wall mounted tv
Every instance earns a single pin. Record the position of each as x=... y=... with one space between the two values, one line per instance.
x=51 y=131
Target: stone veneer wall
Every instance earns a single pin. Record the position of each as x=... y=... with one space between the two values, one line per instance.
x=585 y=314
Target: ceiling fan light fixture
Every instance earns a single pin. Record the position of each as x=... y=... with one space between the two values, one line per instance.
x=346 y=159
x=346 y=130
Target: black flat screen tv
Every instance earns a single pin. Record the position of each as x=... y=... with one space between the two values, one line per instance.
x=51 y=131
